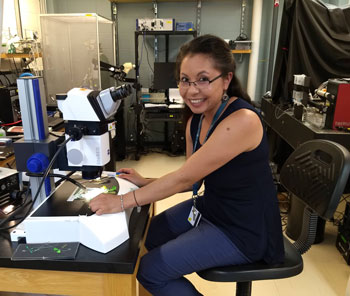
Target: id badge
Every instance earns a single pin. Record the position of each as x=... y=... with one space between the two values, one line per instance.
x=194 y=217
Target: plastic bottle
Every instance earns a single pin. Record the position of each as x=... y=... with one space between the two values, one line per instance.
x=2 y=132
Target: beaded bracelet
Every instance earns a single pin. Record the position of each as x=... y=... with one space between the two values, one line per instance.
x=135 y=199
x=122 y=202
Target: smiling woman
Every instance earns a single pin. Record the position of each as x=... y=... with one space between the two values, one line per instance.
x=218 y=57
x=237 y=219
x=208 y=86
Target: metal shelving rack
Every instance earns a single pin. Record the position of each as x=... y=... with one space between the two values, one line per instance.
x=139 y=107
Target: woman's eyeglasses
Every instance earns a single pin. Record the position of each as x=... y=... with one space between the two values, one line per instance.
x=201 y=83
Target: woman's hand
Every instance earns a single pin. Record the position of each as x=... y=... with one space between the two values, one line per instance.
x=132 y=176
x=106 y=203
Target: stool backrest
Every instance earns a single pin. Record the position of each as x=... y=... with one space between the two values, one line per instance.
x=316 y=173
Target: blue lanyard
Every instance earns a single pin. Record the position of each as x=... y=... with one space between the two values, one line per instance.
x=216 y=117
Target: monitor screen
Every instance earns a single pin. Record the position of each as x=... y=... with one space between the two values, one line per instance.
x=164 y=76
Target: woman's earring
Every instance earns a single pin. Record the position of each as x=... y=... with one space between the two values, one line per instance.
x=225 y=97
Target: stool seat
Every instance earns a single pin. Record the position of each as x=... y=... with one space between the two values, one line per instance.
x=293 y=265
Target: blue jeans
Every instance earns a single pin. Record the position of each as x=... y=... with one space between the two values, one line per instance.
x=176 y=248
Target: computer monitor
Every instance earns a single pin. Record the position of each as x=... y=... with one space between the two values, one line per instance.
x=164 y=76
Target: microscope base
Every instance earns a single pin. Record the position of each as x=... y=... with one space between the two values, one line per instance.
x=58 y=219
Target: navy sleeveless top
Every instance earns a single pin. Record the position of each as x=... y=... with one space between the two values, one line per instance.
x=240 y=198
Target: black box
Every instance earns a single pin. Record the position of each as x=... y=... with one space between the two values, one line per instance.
x=343 y=246
x=10 y=109
x=9 y=180
x=343 y=237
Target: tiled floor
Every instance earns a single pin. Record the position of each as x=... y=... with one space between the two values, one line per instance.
x=325 y=271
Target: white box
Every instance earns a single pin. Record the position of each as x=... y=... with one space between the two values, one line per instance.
x=158 y=24
x=174 y=96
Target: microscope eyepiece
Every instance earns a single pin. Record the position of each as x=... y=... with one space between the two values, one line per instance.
x=121 y=92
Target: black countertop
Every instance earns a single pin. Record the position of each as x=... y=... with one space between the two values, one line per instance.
x=119 y=260
x=294 y=131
